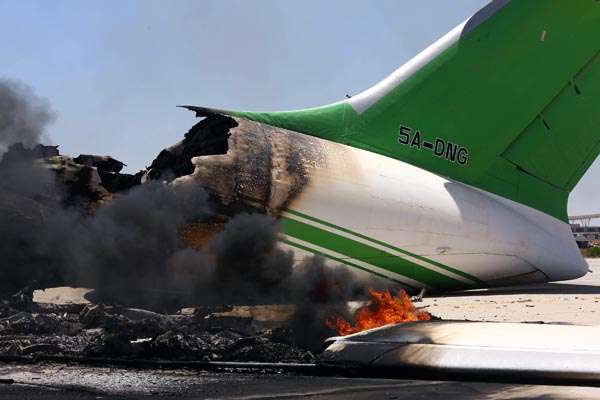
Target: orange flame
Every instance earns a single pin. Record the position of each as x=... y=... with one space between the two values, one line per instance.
x=384 y=309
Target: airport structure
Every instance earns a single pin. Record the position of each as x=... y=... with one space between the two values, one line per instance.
x=586 y=235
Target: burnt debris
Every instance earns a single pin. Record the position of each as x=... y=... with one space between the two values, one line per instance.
x=197 y=228
x=97 y=331
x=102 y=163
x=81 y=178
x=109 y=172
x=207 y=137
x=264 y=169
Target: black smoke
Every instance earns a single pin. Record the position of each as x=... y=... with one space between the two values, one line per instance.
x=251 y=267
x=23 y=115
x=28 y=192
x=248 y=261
x=127 y=245
x=130 y=249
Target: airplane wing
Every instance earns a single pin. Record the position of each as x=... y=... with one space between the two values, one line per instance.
x=473 y=350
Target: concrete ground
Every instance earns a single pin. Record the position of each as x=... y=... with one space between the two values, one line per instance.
x=575 y=302
x=61 y=295
x=75 y=382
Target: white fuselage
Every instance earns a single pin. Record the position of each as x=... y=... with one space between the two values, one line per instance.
x=385 y=216
x=494 y=239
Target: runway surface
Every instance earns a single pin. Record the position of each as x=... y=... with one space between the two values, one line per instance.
x=572 y=302
x=568 y=302
x=73 y=382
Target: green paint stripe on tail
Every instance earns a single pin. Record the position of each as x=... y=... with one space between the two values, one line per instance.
x=389 y=246
x=360 y=251
x=341 y=261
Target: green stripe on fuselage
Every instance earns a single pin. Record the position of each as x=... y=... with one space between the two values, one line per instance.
x=389 y=246
x=363 y=252
x=340 y=260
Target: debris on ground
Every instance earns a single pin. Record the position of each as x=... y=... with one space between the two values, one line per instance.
x=197 y=229
x=103 y=331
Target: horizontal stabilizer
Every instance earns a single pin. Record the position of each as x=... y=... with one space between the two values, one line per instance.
x=485 y=350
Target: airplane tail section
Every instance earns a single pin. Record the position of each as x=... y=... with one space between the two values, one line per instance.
x=508 y=101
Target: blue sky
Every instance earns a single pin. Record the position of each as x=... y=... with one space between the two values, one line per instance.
x=114 y=70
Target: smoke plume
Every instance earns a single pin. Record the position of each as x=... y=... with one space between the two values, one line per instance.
x=23 y=115
x=125 y=245
x=247 y=259
x=131 y=249
x=23 y=119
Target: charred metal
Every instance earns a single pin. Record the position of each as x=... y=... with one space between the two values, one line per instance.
x=219 y=256
x=104 y=331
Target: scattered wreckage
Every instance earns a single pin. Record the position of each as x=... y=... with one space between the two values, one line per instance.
x=106 y=328
x=95 y=331
x=264 y=177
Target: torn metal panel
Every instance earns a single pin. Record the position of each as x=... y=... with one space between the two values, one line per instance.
x=207 y=137
x=82 y=181
x=106 y=163
x=263 y=168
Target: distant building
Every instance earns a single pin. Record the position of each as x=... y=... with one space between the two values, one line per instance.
x=585 y=235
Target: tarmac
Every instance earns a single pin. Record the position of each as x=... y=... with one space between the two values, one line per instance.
x=74 y=382
x=573 y=302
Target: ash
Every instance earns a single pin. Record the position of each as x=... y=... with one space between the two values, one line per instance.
x=113 y=332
